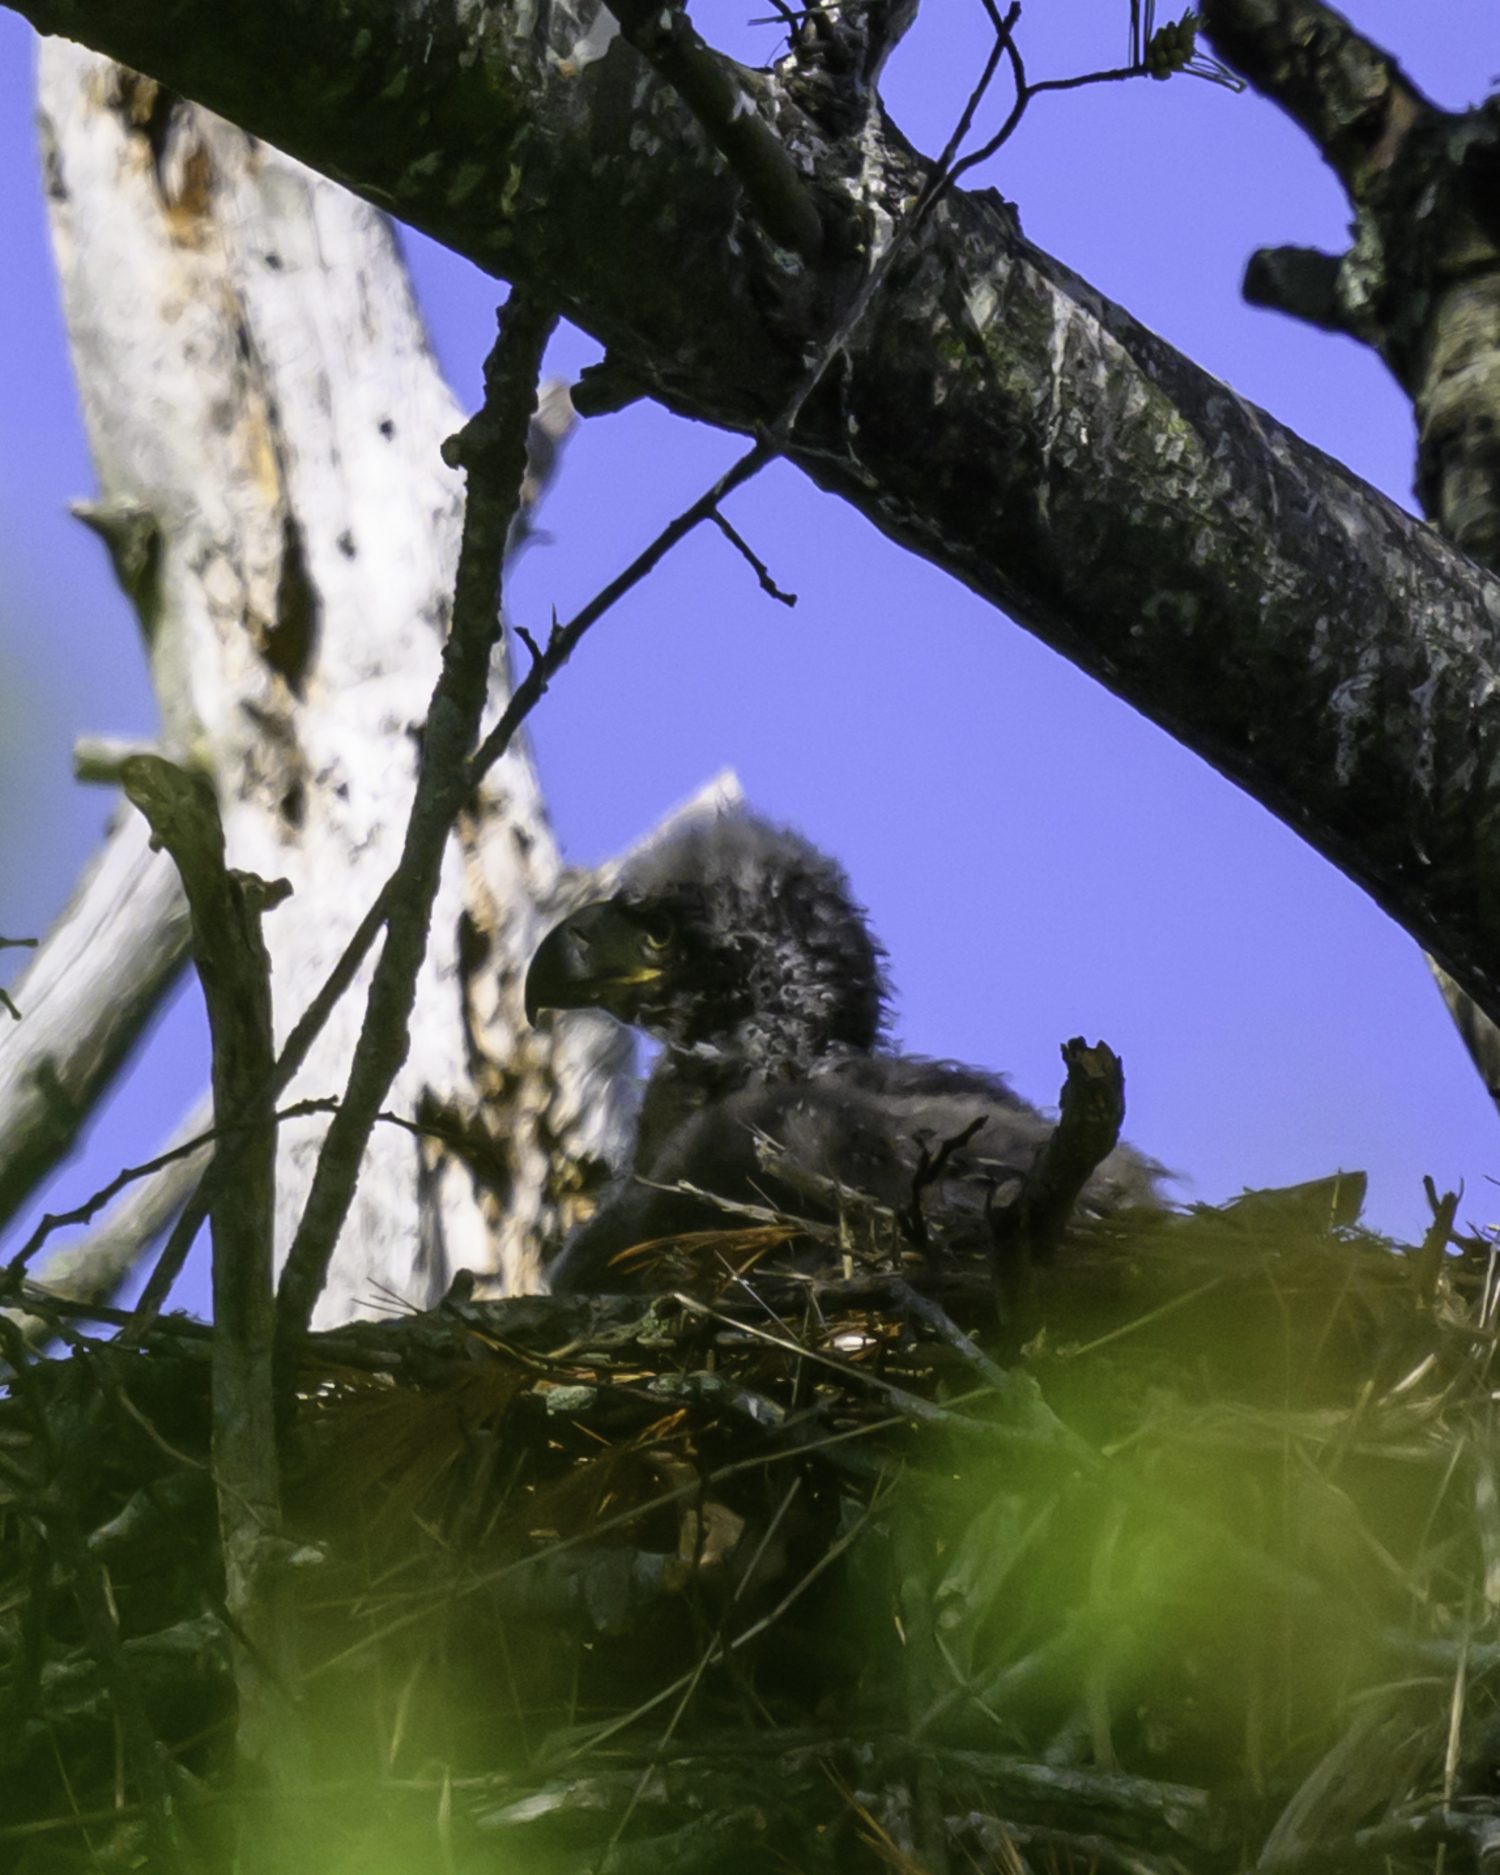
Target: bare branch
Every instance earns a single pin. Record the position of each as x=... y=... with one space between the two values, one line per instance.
x=235 y=970
x=97 y=978
x=1351 y=98
x=721 y=97
x=1091 y=1113
x=757 y=565
x=563 y=640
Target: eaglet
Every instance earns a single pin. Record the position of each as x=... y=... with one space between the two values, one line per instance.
x=737 y=945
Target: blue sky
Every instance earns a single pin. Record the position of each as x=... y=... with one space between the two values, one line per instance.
x=1038 y=859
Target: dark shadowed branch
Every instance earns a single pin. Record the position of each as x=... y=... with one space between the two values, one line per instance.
x=1091 y=1113
x=1420 y=282
x=719 y=95
x=235 y=971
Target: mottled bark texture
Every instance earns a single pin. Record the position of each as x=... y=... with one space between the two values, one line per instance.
x=234 y=968
x=992 y=413
x=1420 y=284
x=266 y=421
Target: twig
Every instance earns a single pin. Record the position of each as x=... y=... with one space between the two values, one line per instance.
x=930 y=1168
x=83 y=1213
x=1434 y=1248
x=10 y=944
x=492 y=450
x=717 y=97
x=148 y=1758
x=1006 y=1382
x=294 y=1052
x=761 y=570
x=563 y=640
x=1026 y=90
x=1004 y=31
x=1041 y=1428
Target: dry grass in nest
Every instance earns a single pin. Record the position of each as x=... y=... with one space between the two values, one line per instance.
x=1178 y=1553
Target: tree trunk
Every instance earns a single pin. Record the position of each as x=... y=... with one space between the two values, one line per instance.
x=266 y=417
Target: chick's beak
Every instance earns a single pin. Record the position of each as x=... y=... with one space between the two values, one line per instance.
x=596 y=959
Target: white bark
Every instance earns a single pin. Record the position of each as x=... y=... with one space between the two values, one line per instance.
x=265 y=417
x=84 y=999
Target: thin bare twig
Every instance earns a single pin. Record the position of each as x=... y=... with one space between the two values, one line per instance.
x=758 y=566
x=12 y=1278
x=130 y=1175
x=930 y=1168
x=294 y=1052
x=563 y=640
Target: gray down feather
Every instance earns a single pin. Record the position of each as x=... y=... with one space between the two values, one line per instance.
x=739 y=946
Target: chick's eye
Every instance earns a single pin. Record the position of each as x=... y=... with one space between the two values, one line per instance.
x=658 y=931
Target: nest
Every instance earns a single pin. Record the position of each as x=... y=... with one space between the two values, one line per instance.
x=1179 y=1553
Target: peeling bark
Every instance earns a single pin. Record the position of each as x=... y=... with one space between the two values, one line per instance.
x=992 y=413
